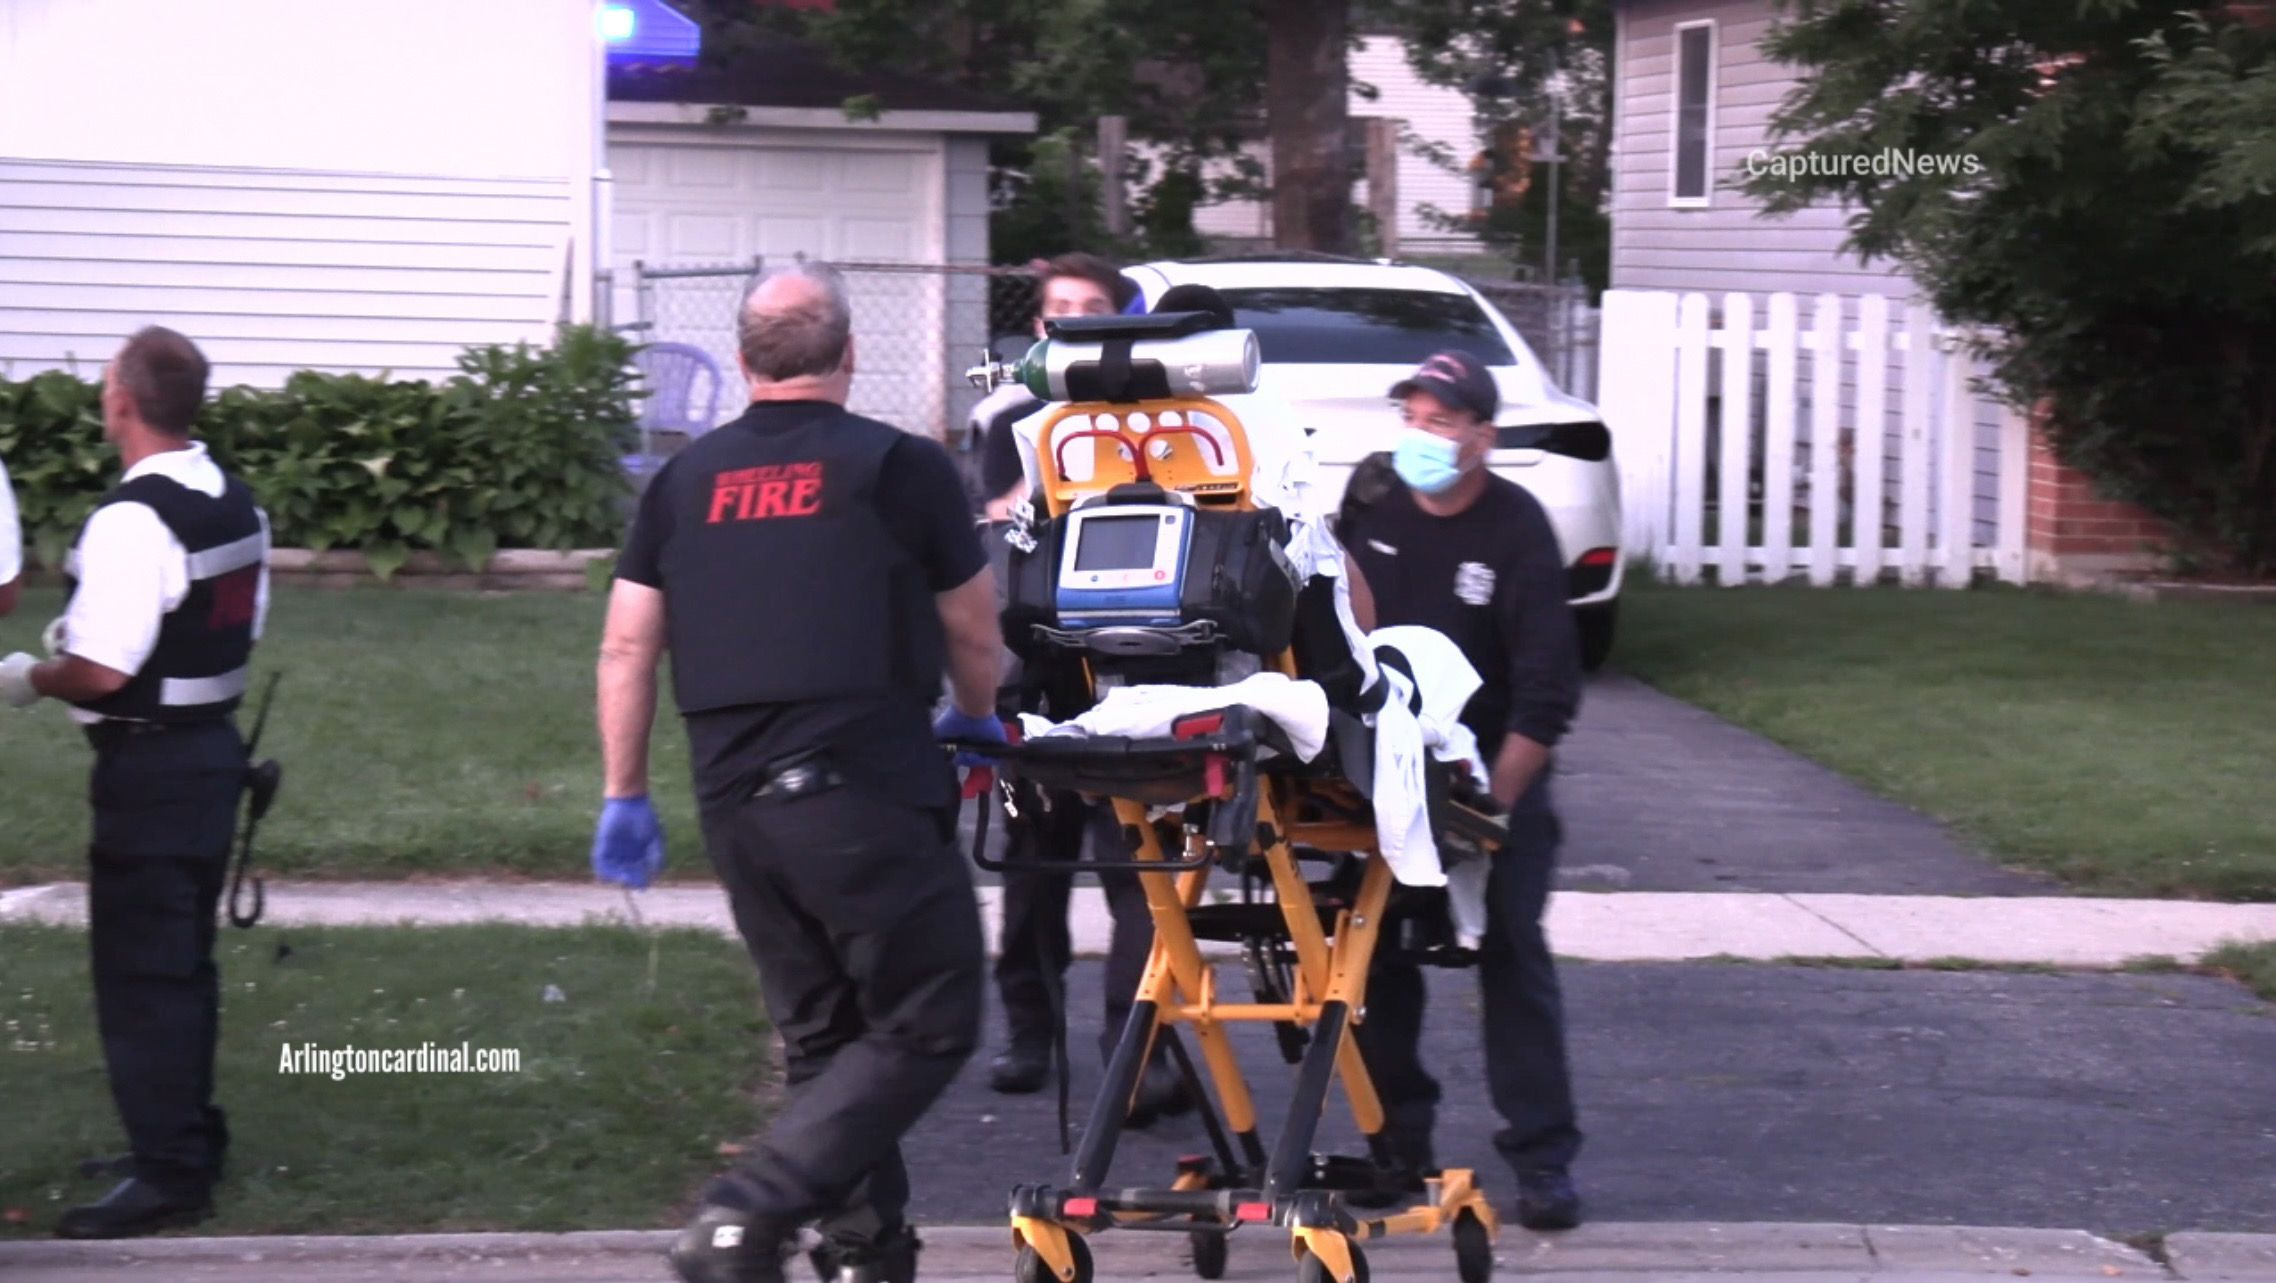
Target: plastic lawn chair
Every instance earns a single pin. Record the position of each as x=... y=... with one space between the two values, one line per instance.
x=683 y=397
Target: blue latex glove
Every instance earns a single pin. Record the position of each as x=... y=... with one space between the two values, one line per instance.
x=628 y=845
x=957 y=725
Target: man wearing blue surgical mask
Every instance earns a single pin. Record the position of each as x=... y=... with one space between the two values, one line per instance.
x=1435 y=539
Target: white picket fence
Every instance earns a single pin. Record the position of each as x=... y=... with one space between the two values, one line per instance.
x=1857 y=448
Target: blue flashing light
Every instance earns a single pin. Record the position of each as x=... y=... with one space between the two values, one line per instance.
x=649 y=31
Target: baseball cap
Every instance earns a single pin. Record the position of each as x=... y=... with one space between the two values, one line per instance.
x=1457 y=378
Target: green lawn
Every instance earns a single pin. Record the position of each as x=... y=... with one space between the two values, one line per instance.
x=2124 y=747
x=2121 y=746
x=422 y=732
x=2253 y=965
x=624 y=1095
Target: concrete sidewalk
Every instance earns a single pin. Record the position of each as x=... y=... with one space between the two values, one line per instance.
x=1624 y=926
x=1609 y=1253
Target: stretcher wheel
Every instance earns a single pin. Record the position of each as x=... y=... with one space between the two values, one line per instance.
x=1209 y=1252
x=1028 y=1267
x=1473 y=1248
x=1315 y=1270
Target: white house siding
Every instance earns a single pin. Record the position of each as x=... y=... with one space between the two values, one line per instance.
x=365 y=185
x=1431 y=113
x=273 y=271
x=1725 y=245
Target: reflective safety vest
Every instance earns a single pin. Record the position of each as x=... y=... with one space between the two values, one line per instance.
x=199 y=668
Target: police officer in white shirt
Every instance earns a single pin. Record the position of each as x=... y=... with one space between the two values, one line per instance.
x=11 y=544
x=169 y=590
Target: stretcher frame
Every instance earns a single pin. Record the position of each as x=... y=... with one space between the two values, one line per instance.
x=1216 y=759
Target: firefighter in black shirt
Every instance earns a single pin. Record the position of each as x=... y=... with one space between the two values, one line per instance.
x=1438 y=541
x=811 y=573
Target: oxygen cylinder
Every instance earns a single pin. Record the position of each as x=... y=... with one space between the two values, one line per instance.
x=1210 y=363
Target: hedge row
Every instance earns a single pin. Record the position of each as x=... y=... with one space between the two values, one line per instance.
x=522 y=449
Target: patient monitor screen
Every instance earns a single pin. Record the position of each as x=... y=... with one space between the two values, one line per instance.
x=1118 y=543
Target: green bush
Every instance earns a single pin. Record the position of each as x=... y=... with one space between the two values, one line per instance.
x=522 y=449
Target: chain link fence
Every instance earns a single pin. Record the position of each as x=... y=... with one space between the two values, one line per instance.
x=917 y=328
x=1557 y=323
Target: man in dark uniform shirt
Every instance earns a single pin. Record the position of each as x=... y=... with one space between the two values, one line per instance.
x=169 y=593
x=1036 y=947
x=812 y=572
x=1445 y=544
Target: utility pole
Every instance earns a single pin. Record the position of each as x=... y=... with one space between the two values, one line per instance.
x=1383 y=183
x=1113 y=138
x=1554 y=155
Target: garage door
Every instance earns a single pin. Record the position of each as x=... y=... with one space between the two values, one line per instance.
x=679 y=205
x=712 y=204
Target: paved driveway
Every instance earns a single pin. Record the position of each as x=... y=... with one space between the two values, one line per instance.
x=1660 y=796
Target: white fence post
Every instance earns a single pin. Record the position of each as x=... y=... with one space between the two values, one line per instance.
x=1956 y=441
x=1870 y=445
x=1778 y=442
x=1735 y=424
x=1920 y=393
x=1638 y=333
x=1689 y=466
x=1825 y=440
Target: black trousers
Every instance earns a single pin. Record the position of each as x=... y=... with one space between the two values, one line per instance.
x=1527 y=1072
x=863 y=924
x=165 y=805
x=1036 y=946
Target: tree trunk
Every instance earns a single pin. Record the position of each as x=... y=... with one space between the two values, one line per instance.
x=1306 y=84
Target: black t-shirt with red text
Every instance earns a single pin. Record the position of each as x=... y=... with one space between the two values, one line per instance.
x=885 y=742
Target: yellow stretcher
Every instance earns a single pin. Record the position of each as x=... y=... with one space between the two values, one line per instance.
x=1236 y=809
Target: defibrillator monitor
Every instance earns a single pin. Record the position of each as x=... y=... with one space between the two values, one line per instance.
x=1123 y=564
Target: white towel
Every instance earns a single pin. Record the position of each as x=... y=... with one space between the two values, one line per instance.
x=1300 y=709
x=1405 y=742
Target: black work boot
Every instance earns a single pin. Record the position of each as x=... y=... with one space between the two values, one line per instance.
x=1162 y=1093
x=725 y=1245
x=890 y=1257
x=1020 y=1069
x=1546 y=1199
x=1407 y=1135
x=135 y=1207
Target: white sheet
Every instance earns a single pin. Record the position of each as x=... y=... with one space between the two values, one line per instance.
x=1300 y=709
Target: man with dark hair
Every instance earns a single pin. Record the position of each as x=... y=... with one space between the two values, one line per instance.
x=169 y=591
x=1035 y=946
x=1070 y=285
x=812 y=573
x=1439 y=541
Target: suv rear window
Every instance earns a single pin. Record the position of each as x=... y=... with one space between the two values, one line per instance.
x=1365 y=327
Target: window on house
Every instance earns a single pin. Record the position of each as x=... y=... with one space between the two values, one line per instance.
x=1694 y=113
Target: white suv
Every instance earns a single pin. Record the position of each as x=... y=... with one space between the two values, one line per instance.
x=1335 y=334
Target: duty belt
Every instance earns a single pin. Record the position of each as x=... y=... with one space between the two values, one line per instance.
x=800 y=779
x=110 y=732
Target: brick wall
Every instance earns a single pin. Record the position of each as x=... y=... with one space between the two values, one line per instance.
x=2072 y=531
